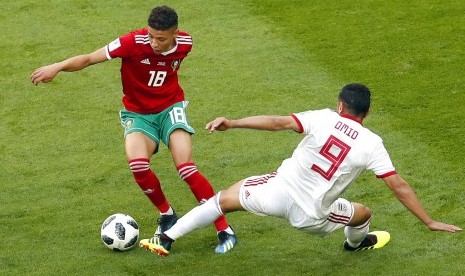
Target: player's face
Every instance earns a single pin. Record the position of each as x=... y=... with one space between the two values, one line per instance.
x=162 y=40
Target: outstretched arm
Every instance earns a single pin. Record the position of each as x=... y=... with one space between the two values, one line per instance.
x=262 y=122
x=406 y=195
x=48 y=72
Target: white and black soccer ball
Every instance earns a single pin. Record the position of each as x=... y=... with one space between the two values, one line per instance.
x=120 y=232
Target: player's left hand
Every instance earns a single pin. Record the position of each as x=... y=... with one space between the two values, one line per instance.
x=439 y=226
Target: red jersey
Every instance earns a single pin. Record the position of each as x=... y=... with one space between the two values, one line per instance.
x=150 y=81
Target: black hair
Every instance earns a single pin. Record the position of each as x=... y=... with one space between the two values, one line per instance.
x=163 y=18
x=356 y=97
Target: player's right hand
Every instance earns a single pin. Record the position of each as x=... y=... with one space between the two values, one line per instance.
x=44 y=74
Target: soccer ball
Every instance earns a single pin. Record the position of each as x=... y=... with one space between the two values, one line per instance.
x=119 y=232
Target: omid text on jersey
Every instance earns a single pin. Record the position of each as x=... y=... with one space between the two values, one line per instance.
x=347 y=130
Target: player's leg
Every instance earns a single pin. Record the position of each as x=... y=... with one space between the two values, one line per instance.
x=137 y=147
x=198 y=217
x=208 y=212
x=357 y=231
x=138 y=150
x=141 y=141
x=359 y=225
x=254 y=194
x=176 y=134
x=181 y=148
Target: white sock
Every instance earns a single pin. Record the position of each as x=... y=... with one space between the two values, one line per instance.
x=196 y=218
x=355 y=235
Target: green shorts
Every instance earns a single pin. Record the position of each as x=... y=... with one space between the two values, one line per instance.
x=157 y=126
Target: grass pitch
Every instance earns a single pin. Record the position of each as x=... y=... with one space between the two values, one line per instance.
x=62 y=164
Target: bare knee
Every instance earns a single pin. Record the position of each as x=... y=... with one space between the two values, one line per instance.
x=229 y=199
x=361 y=214
x=367 y=213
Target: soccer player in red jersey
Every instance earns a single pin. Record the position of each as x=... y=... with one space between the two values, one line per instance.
x=154 y=109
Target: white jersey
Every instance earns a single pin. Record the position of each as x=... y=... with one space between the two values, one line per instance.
x=335 y=150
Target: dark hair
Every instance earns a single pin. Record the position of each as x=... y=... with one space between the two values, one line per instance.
x=356 y=97
x=163 y=18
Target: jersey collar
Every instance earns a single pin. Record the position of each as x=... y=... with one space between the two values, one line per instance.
x=353 y=118
x=172 y=50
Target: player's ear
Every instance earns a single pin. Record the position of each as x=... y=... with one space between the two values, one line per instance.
x=340 y=107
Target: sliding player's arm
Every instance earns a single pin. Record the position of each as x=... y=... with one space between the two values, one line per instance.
x=406 y=195
x=262 y=122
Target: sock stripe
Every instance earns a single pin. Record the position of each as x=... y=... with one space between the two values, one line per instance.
x=186 y=170
x=139 y=165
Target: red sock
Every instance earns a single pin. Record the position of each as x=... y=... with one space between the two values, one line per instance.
x=201 y=188
x=149 y=183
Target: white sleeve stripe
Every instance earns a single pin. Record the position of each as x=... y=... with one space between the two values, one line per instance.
x=107 y=53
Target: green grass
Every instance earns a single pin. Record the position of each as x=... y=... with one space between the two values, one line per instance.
x=62 y=164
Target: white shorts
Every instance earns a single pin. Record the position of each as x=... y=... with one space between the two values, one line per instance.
x=264 y=195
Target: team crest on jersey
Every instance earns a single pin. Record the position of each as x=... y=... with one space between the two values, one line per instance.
x=175 y=64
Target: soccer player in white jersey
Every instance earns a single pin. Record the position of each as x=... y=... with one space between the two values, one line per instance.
x=305 y=189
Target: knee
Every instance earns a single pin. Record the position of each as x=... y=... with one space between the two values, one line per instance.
x=367 y=213
x=224 y=201
x=362 y=214
x=228 y=201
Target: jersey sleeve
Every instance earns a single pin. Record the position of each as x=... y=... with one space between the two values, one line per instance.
x=306 y=119
x=380 y=162
x=301 y=128
x=119 y=48
x=185 y=41
x=303 y=119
